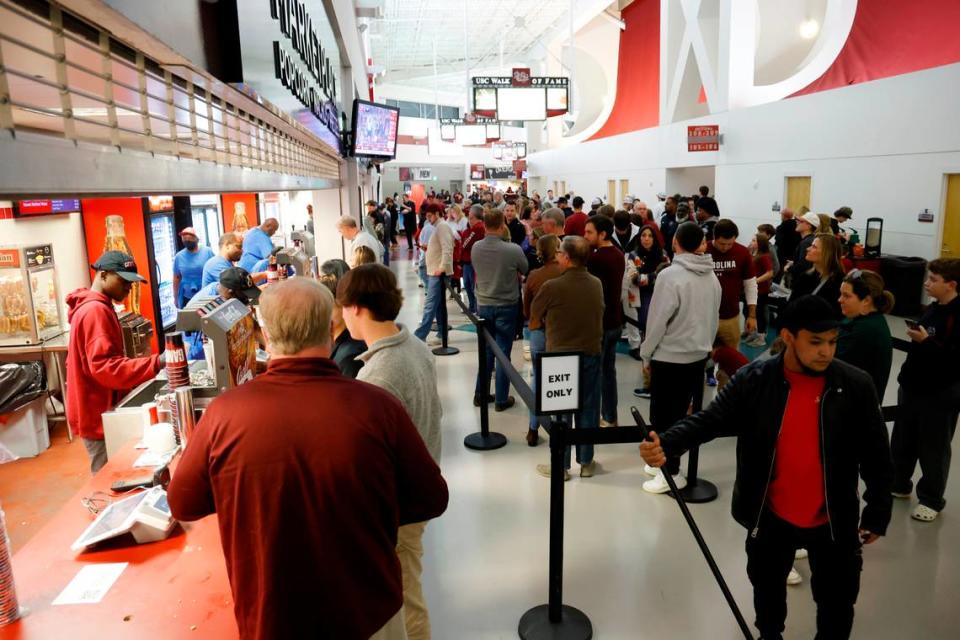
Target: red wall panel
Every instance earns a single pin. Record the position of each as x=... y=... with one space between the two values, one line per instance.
x=637 y=103
x=892 y=38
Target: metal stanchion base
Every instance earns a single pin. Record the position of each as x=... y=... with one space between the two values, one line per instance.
x=574 y=625
x=699 y=492
x=446 y=351
x=481 y=442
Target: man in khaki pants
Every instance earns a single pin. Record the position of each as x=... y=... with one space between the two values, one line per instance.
x=733 y=265
x=396 y=361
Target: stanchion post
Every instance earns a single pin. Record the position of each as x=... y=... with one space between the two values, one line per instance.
x=484 y=441
x=698 y=490
x=554 y=620
x=442 y=321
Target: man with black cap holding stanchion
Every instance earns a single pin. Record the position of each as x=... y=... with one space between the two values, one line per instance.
x=99 y=371
x=808 y=428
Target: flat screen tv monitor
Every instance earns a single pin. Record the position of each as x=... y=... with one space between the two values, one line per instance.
x=375 y=129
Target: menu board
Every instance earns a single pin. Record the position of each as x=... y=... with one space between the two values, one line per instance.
x=27 y=208
x=39 y=256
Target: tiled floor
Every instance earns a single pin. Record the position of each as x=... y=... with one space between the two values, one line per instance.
x=630 y=561
x=33 y=489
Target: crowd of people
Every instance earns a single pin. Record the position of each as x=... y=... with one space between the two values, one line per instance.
x=678 y=284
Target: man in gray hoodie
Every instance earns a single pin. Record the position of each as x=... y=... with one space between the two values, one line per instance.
x=681 y=327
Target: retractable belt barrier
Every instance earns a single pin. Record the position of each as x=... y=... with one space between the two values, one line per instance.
x=554 y=620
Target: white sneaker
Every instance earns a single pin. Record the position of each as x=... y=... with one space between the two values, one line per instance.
x=650 y=471
x=659 y=483
x=923 y=513
x=434 y=342
x=604 y=424
x=794 y=578
x=526 y=352
x=801 y=554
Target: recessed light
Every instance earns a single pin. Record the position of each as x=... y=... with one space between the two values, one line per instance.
x=809 y=29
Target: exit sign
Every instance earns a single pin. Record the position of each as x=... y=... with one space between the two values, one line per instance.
x=704 y=137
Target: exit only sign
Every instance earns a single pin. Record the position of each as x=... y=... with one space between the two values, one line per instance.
x=705 y=137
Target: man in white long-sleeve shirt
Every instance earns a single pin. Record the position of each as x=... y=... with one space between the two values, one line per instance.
x=358 y=237
x=681 y=327
x=439 y=262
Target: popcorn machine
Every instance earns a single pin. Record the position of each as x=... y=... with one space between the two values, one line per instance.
x=30 y=308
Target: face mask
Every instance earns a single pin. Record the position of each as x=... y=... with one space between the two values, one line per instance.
x=190 y=244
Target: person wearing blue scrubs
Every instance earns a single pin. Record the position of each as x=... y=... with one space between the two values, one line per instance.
x=231 y=248
x=234 y=282
x=257 y=245
x=188 y=267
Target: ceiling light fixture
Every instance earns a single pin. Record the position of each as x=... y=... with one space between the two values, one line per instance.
x=809 y=29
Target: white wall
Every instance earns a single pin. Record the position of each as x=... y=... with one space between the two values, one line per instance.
x=879 y=147
x=65 y=232
x=687 y=180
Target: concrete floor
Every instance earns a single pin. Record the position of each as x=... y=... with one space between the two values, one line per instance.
x=630 y=562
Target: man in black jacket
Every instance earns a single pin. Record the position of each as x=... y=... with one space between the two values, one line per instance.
x=808 y=427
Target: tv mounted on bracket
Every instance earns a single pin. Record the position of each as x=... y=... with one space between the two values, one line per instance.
x=375 y=128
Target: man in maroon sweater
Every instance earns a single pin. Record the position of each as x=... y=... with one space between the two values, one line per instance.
x=469 y=237
x=607 y=264
x=309 y=486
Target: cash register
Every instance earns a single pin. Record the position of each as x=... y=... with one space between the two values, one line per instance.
x=145 y=515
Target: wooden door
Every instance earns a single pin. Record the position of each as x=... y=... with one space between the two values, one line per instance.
x=612 y=192
x=624 y=192
x=950 y=247
x=798 y=192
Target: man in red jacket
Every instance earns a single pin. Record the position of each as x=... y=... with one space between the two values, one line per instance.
x=97 y=371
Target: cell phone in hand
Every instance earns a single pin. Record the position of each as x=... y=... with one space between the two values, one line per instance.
x=913 y=325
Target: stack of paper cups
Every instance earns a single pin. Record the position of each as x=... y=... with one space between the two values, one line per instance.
x=9 y=609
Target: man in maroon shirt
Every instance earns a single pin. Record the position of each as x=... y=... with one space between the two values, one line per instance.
x=808 y=428
x=577 y=220
x=309 y=489
x=469 y=237
x=607 y=264
x=733 y=265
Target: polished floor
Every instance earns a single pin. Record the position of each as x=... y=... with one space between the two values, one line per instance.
x=631 y=563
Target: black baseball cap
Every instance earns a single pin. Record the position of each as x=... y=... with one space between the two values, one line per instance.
x=239 y=282
x=119 y=263
x=810 y=313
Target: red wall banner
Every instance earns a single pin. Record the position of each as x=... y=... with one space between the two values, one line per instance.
x=239 y=212
x=637 y=103
x=893 y=38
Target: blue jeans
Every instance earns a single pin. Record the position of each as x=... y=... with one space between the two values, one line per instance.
x=589 y=415
x=538 y=344
x=470 y=284
x=609 y=374
x=431 y=307
x=422 y=272
x=502 y=323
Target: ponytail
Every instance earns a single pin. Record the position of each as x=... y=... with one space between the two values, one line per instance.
x=884 y=302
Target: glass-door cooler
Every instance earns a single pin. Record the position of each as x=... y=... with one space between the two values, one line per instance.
x=30 y=307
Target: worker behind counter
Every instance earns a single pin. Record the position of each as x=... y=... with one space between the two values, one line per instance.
x=188 y=267
x=257 y=245
x=234 y=282
x=309 y=491
x=99 y=372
